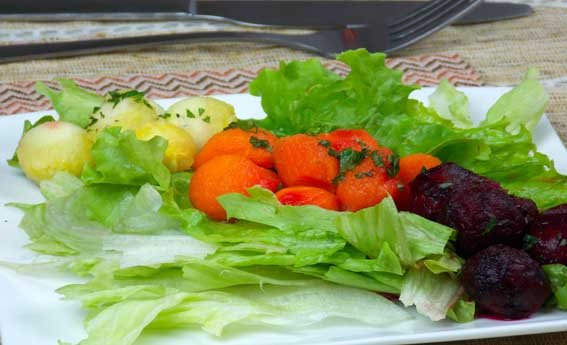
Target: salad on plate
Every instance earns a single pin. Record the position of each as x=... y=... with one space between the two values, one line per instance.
x=348 y=200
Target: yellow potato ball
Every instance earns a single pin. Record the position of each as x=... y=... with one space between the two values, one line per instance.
x=181 y=148
x=52 y=147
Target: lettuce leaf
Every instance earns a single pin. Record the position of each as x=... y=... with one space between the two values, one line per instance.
x=425 y=238
x=557 y=275
x=304 y=97
x=263 y=207
x=308 y=232
x=547 y=190
x=384 y=233
x=72 y=103
x=522 y=106
x=376 y=229
x=121 y=159
x=449 y=262
x=451 y=104
x=61 y=184
x=372 y=281
x=432 y=294
x=127 y=312
x=123 y=322
x=80 y=221
x=462 y=311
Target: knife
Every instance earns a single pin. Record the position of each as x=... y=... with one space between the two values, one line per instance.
x=321 y=13
x=307 y=13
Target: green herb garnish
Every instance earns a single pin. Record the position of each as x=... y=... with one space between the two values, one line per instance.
x=325 y=143
x=394 y=167
x=530 y=241
x=490 y=226
x=118 y=96
x=93 y=121
x=364 y=174
x=189 y=114
x=377 y=159
x=348 y=160
x=260 y=143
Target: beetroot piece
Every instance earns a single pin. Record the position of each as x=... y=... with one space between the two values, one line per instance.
x=505 y=282
x=527 y=207
x=478 y=208
x=549 y=237
x=433 y=188
x=483 y=219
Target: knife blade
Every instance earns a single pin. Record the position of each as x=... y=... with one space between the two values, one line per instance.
x=494 y=11
x=321 y=13
x=308 y=13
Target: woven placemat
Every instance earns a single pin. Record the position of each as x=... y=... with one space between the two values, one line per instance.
x=425 y=70
x=500 y=52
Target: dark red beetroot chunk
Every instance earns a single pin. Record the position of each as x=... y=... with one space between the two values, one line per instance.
x=527 y=207
x=505 y=282
x=433 y=188
x=484 y=218
x=478 y=208
x=548 y=243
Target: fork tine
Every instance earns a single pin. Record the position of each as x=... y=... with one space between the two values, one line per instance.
x=437 y=10
x=432 y=24
x=427 y=19
x=415 y=14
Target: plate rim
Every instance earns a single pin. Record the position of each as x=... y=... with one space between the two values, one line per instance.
x=498 y=329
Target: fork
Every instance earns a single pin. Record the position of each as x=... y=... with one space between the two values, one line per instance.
x=385 y=37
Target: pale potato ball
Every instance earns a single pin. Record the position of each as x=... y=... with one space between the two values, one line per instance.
x=52 y=147
x=126 y=112
x=202 y=117
x=181 y=148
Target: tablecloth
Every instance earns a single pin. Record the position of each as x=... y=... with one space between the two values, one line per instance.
x=495 y=53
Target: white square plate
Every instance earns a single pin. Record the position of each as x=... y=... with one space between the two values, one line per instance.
x=31 y=313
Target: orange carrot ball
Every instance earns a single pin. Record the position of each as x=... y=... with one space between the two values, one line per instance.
x=302 y=161
x=357 y=139
x=412 y=165
x=255 y=145
x=227 y=174
x=366 y=186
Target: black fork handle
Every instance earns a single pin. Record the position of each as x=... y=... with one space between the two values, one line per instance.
x=324 y=42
